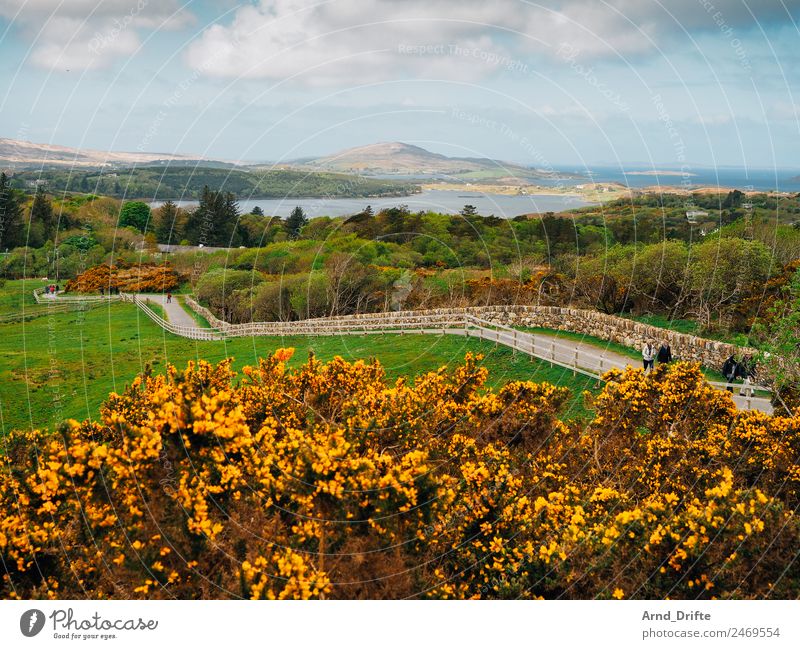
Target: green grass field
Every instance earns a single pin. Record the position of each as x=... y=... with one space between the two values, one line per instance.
x=64 y=365
x=17 y=293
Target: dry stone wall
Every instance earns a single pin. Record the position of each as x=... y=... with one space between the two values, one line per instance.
x=630 y=333
x=710 y=353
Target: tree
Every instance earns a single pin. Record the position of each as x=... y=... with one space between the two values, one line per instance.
x=296 y=222
x=469 y=210
x=723 y=272
x=257 y=211
x=135 y=214
x=11 y=232
x=393 y=220
x=42 y=213
x=733 y=199
x=213 y=223
x=165 y=220
x=351 y=284
x=780 y=356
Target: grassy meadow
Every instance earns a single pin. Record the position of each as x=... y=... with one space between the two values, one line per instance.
x=64 y=365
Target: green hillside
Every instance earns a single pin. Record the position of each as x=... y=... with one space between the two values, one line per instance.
x=187 y=182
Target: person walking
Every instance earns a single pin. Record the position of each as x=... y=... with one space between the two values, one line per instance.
x=169 y=298
x=648 y=356
x=664 y=353
x=746 y=370
x=729 y=371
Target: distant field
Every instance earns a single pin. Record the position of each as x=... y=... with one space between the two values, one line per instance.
x=64 y=365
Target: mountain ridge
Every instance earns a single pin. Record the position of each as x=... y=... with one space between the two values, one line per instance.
x=25 y=155
x=394 y=158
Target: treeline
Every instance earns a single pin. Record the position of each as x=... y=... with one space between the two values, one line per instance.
x=187 y=183
x=625 y=257
x=20 y=226
x=724 y=283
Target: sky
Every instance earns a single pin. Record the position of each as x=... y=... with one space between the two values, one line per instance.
x=550 y=84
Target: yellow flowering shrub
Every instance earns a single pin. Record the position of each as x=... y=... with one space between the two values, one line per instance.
x=330 y=481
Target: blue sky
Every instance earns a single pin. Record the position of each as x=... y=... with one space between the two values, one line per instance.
x=548 y=83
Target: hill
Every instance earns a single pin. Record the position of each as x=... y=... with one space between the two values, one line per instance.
x=399 y=158
x=186 y=182
x=20 y=154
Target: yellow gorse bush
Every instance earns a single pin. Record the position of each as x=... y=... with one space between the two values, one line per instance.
x=329 y=481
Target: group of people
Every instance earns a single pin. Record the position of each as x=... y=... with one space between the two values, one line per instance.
x=732 y=369
x=744 y=369
x=51 y=290
x=650 y=354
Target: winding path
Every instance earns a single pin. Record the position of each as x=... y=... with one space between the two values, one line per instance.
x=176 y=314
x=581 y=357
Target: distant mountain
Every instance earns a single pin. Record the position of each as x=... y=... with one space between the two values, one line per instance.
x=399 y=158
x=22 y=155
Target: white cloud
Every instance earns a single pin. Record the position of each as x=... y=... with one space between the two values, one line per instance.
x=364 y=40
x=784 y=111
x=85 y=34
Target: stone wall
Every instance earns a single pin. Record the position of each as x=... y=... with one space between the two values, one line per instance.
x=710 y=353
x=629 y=333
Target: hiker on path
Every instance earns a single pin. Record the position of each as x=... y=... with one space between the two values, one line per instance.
x=664 y=353
x=729 y=371
x=648 y=356
x=169 y=298
x=746 y=370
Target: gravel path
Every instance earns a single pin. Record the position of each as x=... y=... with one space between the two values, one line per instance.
x=176 y=314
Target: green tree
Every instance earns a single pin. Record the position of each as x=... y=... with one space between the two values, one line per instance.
x=733 y=199
x=296 y=222
x=135 y=214
x=11 y=232
x=469 y=210
x=779 y=359
x=723 y=272
x=257 y=211
x=42 y=214
x=166 y=222
x=214 y=221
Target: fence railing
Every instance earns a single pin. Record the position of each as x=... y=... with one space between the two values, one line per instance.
x=195 y=333
x=556 y=353
x=43 y=298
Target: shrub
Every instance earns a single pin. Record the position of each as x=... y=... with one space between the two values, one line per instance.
x=136 y=278
x=326 y=480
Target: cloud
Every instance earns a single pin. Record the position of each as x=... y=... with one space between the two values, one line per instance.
x=354 y=41
x=87 y=34
x=784 y=111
